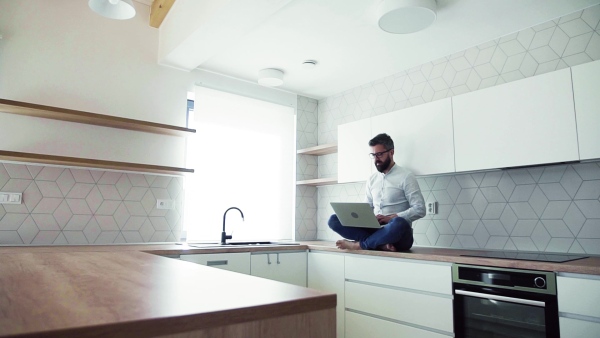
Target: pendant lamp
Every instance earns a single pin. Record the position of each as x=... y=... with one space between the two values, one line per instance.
x=113 y=9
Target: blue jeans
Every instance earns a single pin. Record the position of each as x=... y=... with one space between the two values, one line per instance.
x=397 y=232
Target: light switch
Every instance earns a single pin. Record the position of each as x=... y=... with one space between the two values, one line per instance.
x=3 y=197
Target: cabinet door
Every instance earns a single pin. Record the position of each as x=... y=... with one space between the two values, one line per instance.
x=237 y=262
x=287 y=267
x=354 y=164
x=574 y=328
x=579 y=296
x=326 y=273
x=361 y=326
x=586 y=89
x=423 y=136
x=525 y=122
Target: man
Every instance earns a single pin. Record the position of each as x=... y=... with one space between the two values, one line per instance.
x=396 y=199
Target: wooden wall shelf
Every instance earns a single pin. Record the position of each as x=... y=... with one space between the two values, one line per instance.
x=318 y=182
x=55 y=113
x=323 y=149
x=90 y=163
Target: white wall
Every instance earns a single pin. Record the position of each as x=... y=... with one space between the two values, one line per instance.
x=60 y=53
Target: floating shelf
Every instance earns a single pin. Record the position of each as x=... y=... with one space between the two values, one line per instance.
x=324 y=149
x=318 y=181
x=54 y=113
x=90 y=163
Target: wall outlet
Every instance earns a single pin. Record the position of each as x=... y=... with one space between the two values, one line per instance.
x=432 y=208
x=165 y=204
x=11 y=198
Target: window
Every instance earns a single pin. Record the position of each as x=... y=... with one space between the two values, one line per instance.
x=243 y=154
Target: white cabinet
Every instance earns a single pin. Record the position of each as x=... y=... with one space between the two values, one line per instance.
x=326 y=273
x=578 y=299
x=287 y=267
x=361 y=326
x=237 y=262
x=586 y=89
x=525 y=122
x=423 y=136
x=354 y=164
x=411 y=298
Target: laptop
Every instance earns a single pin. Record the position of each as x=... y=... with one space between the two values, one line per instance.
x=358 y=215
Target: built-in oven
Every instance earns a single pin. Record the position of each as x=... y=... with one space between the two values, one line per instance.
x=504 y=303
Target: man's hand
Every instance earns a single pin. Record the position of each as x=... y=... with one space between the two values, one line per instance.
x=385 y=219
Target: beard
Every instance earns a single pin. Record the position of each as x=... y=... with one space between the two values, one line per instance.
x=383 y=166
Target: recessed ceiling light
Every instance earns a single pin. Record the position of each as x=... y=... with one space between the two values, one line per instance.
x=270 y=77
x=406 y=16
x=309 y=64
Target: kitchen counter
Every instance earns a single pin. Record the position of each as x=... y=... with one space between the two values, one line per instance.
x=589 y=265
x=92 y=292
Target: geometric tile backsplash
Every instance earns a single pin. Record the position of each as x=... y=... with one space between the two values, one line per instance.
x=81 y=206
x=552 y=208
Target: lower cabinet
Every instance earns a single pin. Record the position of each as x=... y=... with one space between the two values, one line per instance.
x=578 y=299
x=236 y=262
x=410 y=299
x=287 y=267
x=361 y=326
x=326 y=273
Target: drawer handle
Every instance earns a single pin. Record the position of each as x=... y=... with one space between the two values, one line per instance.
x=213 y=263
x=278 y=262
x=269 y=258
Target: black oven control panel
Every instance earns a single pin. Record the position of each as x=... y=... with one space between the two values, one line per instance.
x=521 y=280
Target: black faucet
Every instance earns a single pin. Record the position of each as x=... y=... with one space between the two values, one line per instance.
x=224 y=237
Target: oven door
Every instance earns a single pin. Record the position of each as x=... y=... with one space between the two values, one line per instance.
x=483 y=312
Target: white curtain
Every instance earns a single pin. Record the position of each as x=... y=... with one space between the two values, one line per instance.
x=243 y=154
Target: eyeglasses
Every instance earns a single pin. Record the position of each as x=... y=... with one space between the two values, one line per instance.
x=379 y=154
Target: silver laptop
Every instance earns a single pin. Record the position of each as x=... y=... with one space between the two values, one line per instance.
x=355 y=215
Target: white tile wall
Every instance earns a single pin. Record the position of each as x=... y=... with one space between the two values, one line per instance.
x=80 y=206
x=546 y=208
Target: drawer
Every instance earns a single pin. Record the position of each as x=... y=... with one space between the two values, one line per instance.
x=405 y=306
x=361 y=326
x=573 y=328
x=237 y=262
x=579 y=296
x=431 y=277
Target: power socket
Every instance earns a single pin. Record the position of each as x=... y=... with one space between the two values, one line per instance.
x=165 y=204
x=432 y=208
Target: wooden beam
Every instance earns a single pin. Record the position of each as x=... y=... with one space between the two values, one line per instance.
x=159 y=10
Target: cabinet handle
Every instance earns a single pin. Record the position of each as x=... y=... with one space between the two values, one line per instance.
x=269 y=258
x=213 y=263
x=278 y=262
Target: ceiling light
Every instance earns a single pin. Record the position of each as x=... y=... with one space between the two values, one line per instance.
x=113 y=9
x=406 y=16
x=270 y=77
x=309 y=64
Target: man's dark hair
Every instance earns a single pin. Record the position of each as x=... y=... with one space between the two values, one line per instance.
x=383 y=139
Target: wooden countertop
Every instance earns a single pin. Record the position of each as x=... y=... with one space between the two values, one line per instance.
x=589 y=265
x=85 y=292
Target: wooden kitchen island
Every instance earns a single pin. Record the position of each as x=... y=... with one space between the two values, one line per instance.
x=136 y=294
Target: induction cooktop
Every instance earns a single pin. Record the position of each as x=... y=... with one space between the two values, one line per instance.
x=527 y=256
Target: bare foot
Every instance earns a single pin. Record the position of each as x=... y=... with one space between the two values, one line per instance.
x=347 y=245
x=387 y=247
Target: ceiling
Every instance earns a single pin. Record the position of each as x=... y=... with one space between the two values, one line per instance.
x=239 y=37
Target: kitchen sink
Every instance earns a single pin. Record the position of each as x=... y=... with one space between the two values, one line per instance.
x=249 y=243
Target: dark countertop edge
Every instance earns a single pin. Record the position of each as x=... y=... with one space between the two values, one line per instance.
x=172 y=325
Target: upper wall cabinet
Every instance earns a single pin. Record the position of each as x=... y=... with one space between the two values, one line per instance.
x=423 y=136
x=354 y=164
x=526 y=122
x=586 y=88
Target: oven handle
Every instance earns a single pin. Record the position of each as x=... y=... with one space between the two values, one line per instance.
x=501 y=298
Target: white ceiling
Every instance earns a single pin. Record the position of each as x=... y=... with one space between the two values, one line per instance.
x=232 y=38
